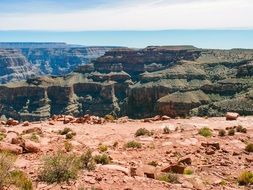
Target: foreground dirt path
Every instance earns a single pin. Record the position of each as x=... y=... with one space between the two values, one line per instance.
x=212 y=167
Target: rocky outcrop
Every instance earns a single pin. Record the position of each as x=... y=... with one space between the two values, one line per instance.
x=14 y=65
x=179 y=104
x=173 y=81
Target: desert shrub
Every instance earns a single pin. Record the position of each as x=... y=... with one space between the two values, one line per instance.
x=65 y=131
x=188 y=171
x=102 y=159
x=166 y=130
x=70 y=135
x=239 y=128
x=2 y=136
x=109 y=117
x=231 y=132
x=153 y=163
x=245 y=178
x=58 y=168
x=222 y=132
x=244 y=130
x=68 y=146
x=142 y=132
x=20 y=180
x=168 y=177
x=133 y=144
x=249 y=147
x=6 y=163
x=205 y=132
x=103 y=148
x=34 y=137
x=87 y=161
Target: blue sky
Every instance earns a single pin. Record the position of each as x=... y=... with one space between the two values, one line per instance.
x=134 y=23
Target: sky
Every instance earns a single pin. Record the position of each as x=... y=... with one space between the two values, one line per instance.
x=137 y=23
x=72 y=15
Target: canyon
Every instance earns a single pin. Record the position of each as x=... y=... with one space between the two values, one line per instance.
x=177 y=81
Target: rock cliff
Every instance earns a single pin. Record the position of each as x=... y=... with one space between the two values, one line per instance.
x=23 y=60
x=170 y=80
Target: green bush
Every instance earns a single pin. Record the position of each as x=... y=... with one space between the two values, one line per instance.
x=103 y=148
x=142 y=132
x=58 y=168
x=20 y=179
x=249 y=147
x=70 y=135
x=6 y=164
x=102 y=159
x=245 y=178
x=65 y=131
x=205 y=132
x=222 y=132
x=168 y=177
x=188 y=171
x=133 y=144
x=231 y=132
x=87 y=161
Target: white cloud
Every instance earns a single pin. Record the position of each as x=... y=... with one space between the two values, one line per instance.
x=152 y=15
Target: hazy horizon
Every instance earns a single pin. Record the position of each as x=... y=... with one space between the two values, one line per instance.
x=221 y=39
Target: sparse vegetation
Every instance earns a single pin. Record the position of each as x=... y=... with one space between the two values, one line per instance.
x=222 y=132
x=142 y=132
x=2 y=136
x=249 y=147
x=20 y=180
x=69 y=133
x=153 y=163
x=109 y=118
x=133 y=144
x=205 y=132
x=102 y=159
x=87 y=161
x=65 y=131
x=245 y=178
x=166 y=130
x=244 y=130
x=6 y=163
x=34 y=137
x=188 y=171
x=68 y=146
x=231 y=132
x=58 y=168
x=168 y=177
x=103 y=148
x=8 y=176
x=239 y=128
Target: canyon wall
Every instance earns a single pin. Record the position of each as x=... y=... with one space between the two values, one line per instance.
x=169 y=80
